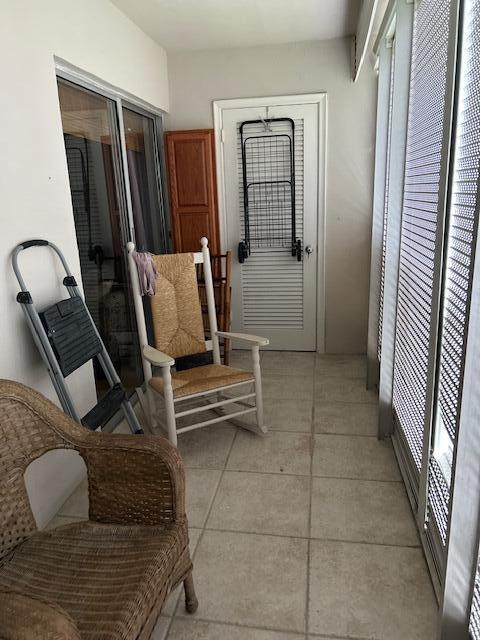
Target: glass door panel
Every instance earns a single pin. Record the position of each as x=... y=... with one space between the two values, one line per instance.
x=144 y=178
x=96 y=183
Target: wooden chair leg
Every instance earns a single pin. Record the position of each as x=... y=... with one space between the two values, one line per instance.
x=191 y=602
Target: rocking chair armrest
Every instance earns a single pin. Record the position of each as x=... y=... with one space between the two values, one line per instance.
x=244 y=337
x=156 y=357
x=134 y=480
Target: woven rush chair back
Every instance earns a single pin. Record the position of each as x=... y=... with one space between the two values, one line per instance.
x=176 y=310
x=23 y=438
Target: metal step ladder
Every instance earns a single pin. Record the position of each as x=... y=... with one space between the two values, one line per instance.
x=67 y=338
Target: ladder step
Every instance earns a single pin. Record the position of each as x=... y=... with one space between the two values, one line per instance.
x=105 y=409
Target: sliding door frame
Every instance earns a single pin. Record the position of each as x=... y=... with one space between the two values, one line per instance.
x=117 y=100
x=401 y=92
x=431 y=535
x=418 y=493
x=416 y=481
x=463 y=538
x=76 y=76
x=385 y=79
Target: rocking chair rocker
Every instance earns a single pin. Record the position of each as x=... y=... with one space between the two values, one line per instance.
x=179 y=334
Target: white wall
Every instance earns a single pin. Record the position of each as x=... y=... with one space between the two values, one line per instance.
x=35 y=197
x=196 y=79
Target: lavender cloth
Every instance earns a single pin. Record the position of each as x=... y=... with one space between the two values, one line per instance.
x=147 y=272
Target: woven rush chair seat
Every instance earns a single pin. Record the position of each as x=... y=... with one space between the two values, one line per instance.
x=201 y=379
x=105 y=578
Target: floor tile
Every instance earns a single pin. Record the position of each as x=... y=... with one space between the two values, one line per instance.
x=77 y=503
x=288 y=414
x=338 y=389
x=348 y=419
x=171 y=602
x=288 y=363
x=207 y=447
x=354 y=457
x=345 y=366
x=322 y=637
x=184 y=629
x=262 y=503
x=241 y=358
x=287 y=386
x=123 y=428
x=201 y=485
x=251 y=579
x=277 y=452
x=362 y=511
x=370 y=591
x=160 y=630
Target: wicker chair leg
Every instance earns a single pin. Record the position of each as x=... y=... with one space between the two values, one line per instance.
x=191 y=602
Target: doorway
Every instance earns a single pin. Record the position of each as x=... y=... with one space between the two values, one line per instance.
x=277 y=209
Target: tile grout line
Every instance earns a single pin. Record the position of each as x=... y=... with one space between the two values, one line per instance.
x=298 y=475
x=289 y=536
x=322 y=539
x=349 y=435
x=309 y=530
x=203 y=528
x=239 y=625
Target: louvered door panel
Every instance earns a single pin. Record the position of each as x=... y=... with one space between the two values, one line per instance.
x=272 y=293
x=272 y=280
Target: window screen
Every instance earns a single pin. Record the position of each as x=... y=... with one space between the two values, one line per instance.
x=426 y=156
x=462 y=229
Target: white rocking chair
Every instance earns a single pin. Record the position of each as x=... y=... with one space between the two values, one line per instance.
x=179 y=333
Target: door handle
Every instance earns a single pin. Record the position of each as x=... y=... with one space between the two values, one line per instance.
x=297 y=250
x=309 y=249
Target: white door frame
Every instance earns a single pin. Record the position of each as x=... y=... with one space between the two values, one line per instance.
x=310 y=98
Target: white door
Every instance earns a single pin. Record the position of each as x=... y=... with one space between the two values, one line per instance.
x=273 y=293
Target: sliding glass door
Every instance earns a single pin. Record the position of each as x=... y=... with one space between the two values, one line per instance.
x=145 y=181
x=429 y=390
x=113 y=161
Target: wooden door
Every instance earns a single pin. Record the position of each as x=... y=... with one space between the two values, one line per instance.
x=193 y=189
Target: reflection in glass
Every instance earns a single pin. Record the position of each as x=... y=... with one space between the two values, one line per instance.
x=142 y=159
x=90 y=136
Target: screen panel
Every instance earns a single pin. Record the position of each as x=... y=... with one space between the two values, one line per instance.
x=422 y=220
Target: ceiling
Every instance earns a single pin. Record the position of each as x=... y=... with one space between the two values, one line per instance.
x=193 y=25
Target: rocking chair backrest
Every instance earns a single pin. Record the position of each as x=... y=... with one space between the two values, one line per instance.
x=176 y=309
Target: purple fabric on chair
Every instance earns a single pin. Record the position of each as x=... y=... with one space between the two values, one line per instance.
x=147 y=272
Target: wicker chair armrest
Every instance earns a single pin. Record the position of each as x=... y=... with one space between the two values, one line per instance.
x=134 y=480
x=25 y=618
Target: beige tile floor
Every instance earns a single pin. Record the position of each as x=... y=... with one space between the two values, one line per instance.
x=306 y=533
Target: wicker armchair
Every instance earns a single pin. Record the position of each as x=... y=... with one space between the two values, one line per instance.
x=103 y=578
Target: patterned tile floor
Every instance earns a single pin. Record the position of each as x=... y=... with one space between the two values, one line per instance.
x=305 y=533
